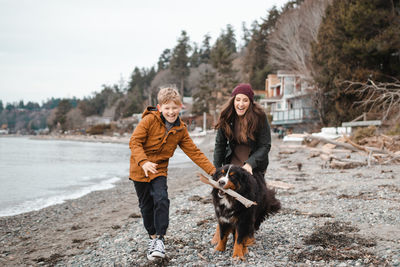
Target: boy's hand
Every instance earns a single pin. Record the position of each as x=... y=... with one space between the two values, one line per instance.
x=149 y=167
x=248 y=168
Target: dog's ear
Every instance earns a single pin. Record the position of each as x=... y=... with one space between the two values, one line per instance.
x=218 y=173
x=242 y=176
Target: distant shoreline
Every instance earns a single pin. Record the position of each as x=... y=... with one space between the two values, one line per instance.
x=83 y=138
x=91 y=138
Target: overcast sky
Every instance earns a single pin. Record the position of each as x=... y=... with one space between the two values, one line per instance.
x=66 y=48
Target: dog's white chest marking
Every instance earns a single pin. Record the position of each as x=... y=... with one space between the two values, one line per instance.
x=224 y=220
x=224 y=201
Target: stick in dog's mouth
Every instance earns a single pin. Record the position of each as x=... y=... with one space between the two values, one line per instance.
x=221 y=193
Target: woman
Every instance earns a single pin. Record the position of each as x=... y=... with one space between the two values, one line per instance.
x=243 y=136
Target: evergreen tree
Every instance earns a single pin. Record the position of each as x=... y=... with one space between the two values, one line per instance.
x=100 y=101
x=205 y=50
x=1 y=106
x=357 y=40
x=179 y=63
x=10 y=107
x=246 y=34
x=228 y=38
x=51 y=103
x=255 y=63
x=61 y=114
x=136 y=83
x=205 y=98
x=222 y=61
x=128 y=105
x=164 y=60
x=195 y=59
x=32 y=106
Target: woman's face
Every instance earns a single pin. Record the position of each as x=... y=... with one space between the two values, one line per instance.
x=241 y=103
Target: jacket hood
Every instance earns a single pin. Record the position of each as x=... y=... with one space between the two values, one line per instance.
x=151 y=110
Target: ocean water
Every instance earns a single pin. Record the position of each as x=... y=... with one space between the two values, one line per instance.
x=38 y=173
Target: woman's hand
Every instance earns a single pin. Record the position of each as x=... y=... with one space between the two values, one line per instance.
x=248 y=168
x=149 y=167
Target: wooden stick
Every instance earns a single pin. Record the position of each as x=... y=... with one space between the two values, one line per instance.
x=247 y=203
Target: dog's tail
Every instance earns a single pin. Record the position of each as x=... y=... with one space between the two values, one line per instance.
x=274 y=203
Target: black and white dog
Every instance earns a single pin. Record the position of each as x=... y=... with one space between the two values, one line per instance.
x=233 y=217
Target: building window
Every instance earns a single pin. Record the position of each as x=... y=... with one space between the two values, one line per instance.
x=289 y=86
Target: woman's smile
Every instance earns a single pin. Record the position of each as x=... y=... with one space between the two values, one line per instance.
x=242 y=103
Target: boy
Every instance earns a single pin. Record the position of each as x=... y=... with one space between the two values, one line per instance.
x=152 y=144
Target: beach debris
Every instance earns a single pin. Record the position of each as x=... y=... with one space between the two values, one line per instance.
x=377 y=149
x=246 y=202
x=299 y=166
x=280 y=185
x=135 y=215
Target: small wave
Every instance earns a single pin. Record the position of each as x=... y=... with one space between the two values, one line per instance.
x=44 y=202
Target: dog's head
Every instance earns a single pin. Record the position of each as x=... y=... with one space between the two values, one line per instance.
x=231 y=177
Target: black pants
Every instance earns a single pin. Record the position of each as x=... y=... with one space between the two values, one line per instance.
x=154 y=204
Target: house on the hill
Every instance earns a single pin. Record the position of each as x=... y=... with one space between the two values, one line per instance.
x=288 y=98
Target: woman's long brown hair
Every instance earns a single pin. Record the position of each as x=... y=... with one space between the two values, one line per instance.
x=249 y=123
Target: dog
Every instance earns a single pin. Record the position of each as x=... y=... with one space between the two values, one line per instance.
x=232 y=216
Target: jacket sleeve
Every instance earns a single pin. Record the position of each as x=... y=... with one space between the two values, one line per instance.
x=194 y=153
x=263 y=144
x=220 y=148
x=137 y=140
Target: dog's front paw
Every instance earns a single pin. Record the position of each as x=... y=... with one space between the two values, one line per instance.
x=239 y=250
x=220 y=247
x=216 y=238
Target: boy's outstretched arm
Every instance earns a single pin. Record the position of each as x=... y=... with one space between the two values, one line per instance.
x=195 y=154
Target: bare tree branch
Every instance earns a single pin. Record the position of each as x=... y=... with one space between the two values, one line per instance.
x=381 y=96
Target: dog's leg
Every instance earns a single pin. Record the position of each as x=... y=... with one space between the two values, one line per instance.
x=225 y=230
x=239 y=249
x=248 y=241
x=216 y=236
x=244 y=237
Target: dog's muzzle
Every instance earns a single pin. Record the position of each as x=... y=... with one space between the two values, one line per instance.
x=222 y=182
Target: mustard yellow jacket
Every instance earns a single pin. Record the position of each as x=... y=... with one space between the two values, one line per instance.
x=150 y=141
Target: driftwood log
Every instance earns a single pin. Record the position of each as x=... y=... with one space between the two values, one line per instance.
x=325 y=140
x=378 y=155
x=246 y=202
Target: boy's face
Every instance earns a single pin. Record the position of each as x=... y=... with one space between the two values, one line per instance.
x=170 y=111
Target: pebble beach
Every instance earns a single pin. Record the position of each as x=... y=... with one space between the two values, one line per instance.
x=329 y=217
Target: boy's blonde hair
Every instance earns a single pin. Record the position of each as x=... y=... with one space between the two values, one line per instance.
x=168 y=94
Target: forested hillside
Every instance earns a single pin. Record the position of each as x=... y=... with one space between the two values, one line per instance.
x=347 y=51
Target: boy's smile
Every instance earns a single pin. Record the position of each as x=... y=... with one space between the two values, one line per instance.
x=170 y=111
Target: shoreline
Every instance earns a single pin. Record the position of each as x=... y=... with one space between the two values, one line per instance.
x=45 y=202
x=75 y=225
x=105 y=227
x=90 y=139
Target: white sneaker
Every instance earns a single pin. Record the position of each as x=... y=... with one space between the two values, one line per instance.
x=150 y=249
x=159 y=248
